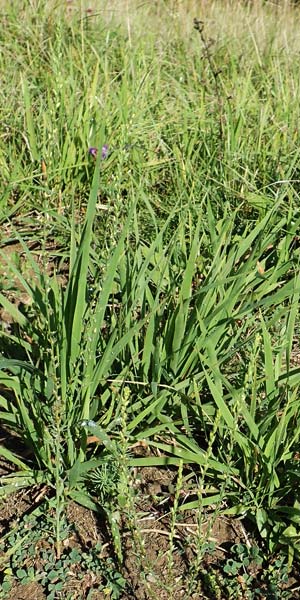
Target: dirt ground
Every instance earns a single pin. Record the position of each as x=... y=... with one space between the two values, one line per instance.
x=151 y=571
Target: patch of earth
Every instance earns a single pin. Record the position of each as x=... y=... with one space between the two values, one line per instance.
x=13 y=261
x=150 y=569
x=28 y=591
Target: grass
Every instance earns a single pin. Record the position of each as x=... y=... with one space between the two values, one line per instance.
x=161 y=284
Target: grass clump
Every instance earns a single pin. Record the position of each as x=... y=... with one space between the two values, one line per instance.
x=151 y=297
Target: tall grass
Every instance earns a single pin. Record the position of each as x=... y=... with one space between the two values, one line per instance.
x=182 y=251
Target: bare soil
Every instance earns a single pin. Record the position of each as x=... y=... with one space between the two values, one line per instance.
x=150 y=570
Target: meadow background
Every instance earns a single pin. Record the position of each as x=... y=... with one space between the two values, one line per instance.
x=150 y=360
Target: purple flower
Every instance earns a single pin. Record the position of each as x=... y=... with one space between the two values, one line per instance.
x=94 y=151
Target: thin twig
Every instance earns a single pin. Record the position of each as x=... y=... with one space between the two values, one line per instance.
x=207 y=44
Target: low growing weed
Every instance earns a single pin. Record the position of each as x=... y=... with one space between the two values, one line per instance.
x=247 y=575
x=34 y=560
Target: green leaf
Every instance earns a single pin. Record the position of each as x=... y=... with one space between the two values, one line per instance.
x=30 y=122
x=11 y=457
x=84 y=499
